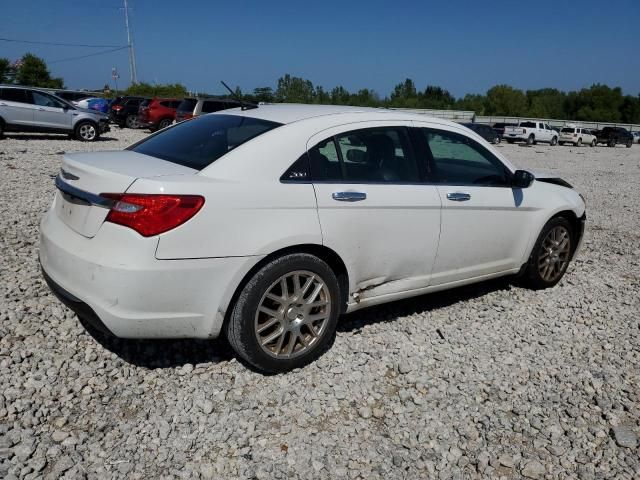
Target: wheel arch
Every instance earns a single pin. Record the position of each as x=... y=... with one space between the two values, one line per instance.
x=324 y=253
x=576 y=225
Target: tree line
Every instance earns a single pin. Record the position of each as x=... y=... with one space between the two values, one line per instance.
x=598 y=103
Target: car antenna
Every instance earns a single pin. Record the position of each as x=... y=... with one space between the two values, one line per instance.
x=243 y=105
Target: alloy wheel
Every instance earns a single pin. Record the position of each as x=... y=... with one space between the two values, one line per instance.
x=292 y=314
x=87 y=132
x=554 y=253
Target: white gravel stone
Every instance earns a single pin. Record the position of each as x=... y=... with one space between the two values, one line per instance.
x=486 y=381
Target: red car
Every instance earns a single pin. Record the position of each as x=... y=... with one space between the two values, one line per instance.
x=158 y=113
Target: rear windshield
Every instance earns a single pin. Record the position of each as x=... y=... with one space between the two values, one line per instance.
x=568 y=130
x=187 y=105
x=528 y=124
x=199 y=142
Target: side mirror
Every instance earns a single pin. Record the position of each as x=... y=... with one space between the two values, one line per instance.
x=522 y=179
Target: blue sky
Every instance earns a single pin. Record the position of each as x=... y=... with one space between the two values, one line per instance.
x=464 y=46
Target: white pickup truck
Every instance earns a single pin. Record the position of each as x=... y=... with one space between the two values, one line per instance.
x=531 y=132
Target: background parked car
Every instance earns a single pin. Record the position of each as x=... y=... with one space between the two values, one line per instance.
x=577 y=136
x=94 y=103
x=485 y=131
x=531 y=132
x=25 y=109
x=72 y=96
x=158 y=113
x=123 y=111
x=636 y=135
x=193 y=107
x=499 y=128
x=611 y=136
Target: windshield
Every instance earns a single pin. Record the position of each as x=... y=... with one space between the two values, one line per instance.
x=199 y=142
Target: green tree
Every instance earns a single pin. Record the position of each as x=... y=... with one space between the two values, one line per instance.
x=321 y=97
x=33 y=72
x=263 y=94
x=143 y=89
x=404 y=95
x=5 y=70
x=630 y=109
x=294 y=90
x=436 y=97
x=546 y=103
x=365 y=98
x=472 y=102
x=340 y=96
x=506 y=100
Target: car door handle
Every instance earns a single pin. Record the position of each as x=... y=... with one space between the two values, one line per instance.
x=349 y=196
x=458 y=196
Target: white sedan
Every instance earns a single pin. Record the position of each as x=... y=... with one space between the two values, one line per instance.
x=265 y=224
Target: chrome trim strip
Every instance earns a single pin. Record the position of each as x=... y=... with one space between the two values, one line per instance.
x=349 y=196
x=88 y=197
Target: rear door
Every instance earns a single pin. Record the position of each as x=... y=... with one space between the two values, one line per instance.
x=375 y=209
x=15 y=107
x=49 y=112
x=484 y=223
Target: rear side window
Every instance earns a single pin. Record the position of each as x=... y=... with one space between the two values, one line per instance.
x=200 y=142
x=210 y=106
x=373 y=155
x=14 y=95
x=187 y=105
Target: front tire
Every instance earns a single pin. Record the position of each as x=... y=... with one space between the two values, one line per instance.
x=86 y=132
x=554 y=141
x=629 y=143
x=1 y=129
x=285 y=316
x=164 y=123
x=551 y=254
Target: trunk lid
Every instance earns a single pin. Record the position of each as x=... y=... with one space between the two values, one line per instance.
x=84 y=176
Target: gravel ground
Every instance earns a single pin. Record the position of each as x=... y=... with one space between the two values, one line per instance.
x=485 y=381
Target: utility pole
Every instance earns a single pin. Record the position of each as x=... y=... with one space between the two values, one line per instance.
x=132 y=55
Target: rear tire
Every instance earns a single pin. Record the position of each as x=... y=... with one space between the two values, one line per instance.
x=551 y=255
x=164 y=123
x=1 y=129
x=629 y=143
x=272 y=325
x=531 y=140
x=86 y=132
x=579 y=143
x=560 y=143
x=593 y=143
x=132 y=121
x=509 y=141
x=612 y=142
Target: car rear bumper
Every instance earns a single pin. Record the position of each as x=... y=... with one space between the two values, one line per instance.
x=114 y=281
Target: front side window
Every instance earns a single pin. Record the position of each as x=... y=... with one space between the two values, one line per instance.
x=373 y=155
x=459 y=160
x=45 y=100
x=200 y=142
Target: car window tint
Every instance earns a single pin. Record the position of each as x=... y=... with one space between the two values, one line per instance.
x=299 y=171
x=200 y=142
x=377 y=155
x=460 y=160
x=528 y=124
x=14 y=95
x=45 y=100
x=324 y=161
x=187 y=105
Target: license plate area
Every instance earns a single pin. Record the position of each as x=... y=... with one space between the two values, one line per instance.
x=79 y=215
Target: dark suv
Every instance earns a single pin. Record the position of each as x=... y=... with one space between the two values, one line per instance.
x=123 y=111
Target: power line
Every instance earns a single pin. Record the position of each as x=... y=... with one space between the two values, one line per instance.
x=89 y=55
x=58 y=44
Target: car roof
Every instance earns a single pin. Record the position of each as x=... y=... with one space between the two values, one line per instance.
x=293 y=112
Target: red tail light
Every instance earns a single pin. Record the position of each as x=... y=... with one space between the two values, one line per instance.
x=152 y=214
x=117 y=108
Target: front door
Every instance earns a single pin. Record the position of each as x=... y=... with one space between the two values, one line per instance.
x=484 y=222
x=375 y=210
x=50 y=112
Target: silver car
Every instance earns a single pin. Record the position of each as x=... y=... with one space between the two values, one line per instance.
x=24 y=109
